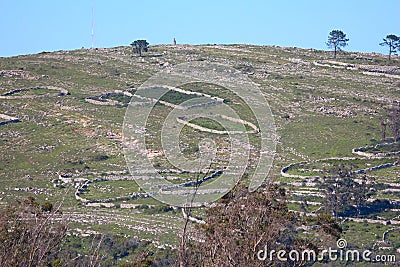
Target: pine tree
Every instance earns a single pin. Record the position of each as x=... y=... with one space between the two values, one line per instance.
x=393 y=42
x=336 y=40
x=139 y=46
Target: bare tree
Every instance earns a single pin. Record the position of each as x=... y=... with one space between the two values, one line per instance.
x=243 y=224
x=29 y=234
x=184 y=257
x=393 y=42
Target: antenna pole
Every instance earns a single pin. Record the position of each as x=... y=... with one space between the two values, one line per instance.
x=92 y=24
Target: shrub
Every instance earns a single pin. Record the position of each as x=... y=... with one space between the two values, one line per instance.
x=29 y=236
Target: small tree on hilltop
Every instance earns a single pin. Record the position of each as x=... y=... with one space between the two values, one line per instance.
x=336 y=40
x=139 y=46
x=243 y=228
x=393 y=42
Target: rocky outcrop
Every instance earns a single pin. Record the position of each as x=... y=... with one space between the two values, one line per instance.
x=358 y=151
x=80 y=190
x=375 y=70
x=184 y=120
x=103 y=100
x=362 y=151
x=375 y=168
x=8 y=119
x=20 y=74
x=10 y=95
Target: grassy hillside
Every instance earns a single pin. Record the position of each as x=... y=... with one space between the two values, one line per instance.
x=322 y=109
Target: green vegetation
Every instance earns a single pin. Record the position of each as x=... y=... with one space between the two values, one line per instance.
x=175 y=97
x=110 y=189
x=117 y=97
x=208 y=123
x=320 y=112
x=321 y=167
x=35 y=92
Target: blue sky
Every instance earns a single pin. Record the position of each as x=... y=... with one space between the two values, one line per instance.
x=49 y=25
